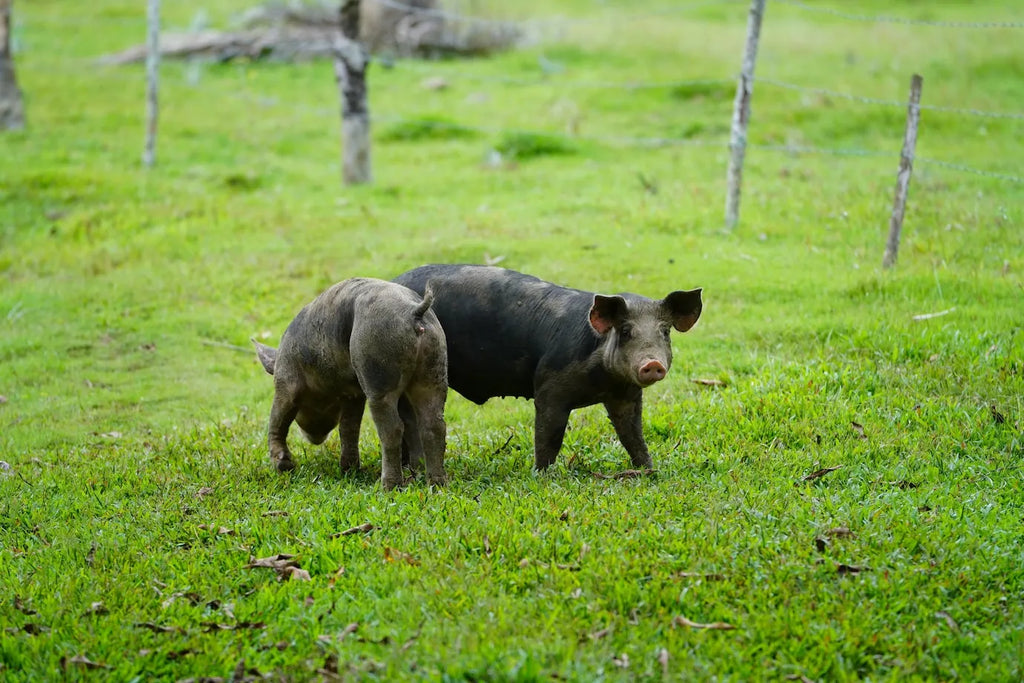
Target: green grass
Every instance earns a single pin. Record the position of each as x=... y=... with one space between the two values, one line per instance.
x=134 y=431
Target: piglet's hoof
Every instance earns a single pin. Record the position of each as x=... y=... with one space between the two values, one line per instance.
x=284 y=464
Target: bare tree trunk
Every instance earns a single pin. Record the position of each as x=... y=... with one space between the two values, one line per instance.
x=12 y=110
x=899 y=203
x=741 y=115
x=152 y=81
x=350 y=62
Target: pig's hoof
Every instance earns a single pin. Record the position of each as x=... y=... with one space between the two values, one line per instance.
x=284 y=464
x=390 y=484
x=438 y=480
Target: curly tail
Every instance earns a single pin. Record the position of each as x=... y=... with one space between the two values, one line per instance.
x=428 y=299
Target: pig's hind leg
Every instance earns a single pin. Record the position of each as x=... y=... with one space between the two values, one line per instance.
x=384 y=410
x=428 y=402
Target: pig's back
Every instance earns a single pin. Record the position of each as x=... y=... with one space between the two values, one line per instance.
x=501 y=326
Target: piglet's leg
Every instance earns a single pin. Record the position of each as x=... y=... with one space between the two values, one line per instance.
x=627 y=418
x=412 y=446
x=429 y=404
x=384 y=410
x=349 y=419
x=549 y=427
x=282 y=414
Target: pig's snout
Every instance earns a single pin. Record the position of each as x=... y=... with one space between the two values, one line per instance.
x=651 y=371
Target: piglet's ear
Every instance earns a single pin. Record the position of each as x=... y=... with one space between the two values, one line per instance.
x=683 y=308
x=607 y=312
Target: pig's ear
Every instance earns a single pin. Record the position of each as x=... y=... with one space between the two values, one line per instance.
x=683 y=308
x=607 y=312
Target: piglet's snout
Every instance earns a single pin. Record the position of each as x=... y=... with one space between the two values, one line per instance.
x=651 y=371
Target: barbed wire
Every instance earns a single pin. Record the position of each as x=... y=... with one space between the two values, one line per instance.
x=882 y=19
x=551 y=79
x=558 y=21
x=891 y=103
x=968 y=169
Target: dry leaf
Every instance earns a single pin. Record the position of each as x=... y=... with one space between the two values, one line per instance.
x=996 y=415
x=96 y=609
x=393 y=555
x=345 y=632
x=362 y=528
x=621 y=662
x=625 y=474
x=337 y=575
x=178 y=654
x=211 y=626
x=487 y=546
x=279 y=562
x=663 y=660
x=20 y=606
x=292 y=572
x=859 y=428
x=221 y=530
x=904 y=484
x=950 y=622
x=714 y=626
x=275 y=513
x=840 y=532
x=598 y=635
x=31 y=628
x=564 y=517
x=82 y=661
x=818 y=474
x=820 y=544
x=700 y=575
x=851 y=569
x=156 y=628
x=3 y=399
x=203 y=492
x=709 y=382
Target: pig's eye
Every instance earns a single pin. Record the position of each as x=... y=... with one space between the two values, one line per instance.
x=665 y=331
x=626 y=331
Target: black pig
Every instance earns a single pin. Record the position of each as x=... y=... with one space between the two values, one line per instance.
x=511 y=334
x=362 y=340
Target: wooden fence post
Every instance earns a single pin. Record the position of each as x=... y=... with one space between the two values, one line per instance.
x=152 y=80
x=741 y=115
x=12 y=108
x=899 y=203
x=350 y=62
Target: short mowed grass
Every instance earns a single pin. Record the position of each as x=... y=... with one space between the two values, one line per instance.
x=135 y=486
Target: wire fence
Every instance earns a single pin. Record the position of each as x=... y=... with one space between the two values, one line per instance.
x=560 y=82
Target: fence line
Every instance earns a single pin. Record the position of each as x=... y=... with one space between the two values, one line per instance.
x=883 y=19
x=627 y=141
x=560 y=21
x=890 y=103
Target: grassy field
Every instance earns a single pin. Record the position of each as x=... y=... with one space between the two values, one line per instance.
x=135 y=486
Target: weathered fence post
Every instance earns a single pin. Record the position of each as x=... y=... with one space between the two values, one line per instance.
x=152 y=80
x=741 y=115
x=350 y=62
x=899 y=203
x=12 y=108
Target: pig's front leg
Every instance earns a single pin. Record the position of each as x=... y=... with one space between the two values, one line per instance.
x=627 y=417
x=349 y=419
x=282 y=414
x=548 y=430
